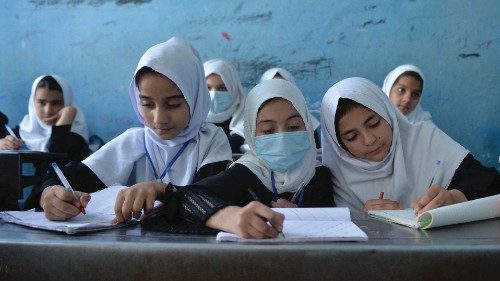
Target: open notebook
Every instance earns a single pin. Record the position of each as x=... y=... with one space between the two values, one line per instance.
x=310 y=224
x=474 y=210
x=100 y=212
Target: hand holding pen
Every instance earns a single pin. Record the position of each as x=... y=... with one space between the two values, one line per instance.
x=68 y=187
x=436 y=195
x=273 y=219
x=11 y=141
x=60 y=202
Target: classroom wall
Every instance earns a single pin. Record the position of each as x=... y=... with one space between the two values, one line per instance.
x=97 y=44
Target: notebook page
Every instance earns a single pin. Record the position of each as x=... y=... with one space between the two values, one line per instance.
x=37 y=220
x=304 y=231
x=318 y=214
x=99 y=214
x=404 y=217
x=479 y=209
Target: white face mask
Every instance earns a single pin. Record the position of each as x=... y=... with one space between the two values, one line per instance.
x=221 y=101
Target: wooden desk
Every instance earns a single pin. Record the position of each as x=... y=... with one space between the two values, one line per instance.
x=11 y=178
x=461 y=252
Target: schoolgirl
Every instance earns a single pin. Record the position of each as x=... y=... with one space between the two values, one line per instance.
x=169 y=95
x=227 y=100
x=370 y=147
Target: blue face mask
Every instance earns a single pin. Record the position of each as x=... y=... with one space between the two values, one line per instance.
x=220 y=101
x=283 y=151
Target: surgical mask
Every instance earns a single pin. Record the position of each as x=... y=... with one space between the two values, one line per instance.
x=220 y=101
x=283 y=151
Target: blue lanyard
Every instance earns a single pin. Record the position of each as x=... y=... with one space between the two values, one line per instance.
x=170 y=164
x=276 y=196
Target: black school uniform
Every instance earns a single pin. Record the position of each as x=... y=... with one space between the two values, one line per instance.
x=475 y=180
x=82 y=178
x=239 y=186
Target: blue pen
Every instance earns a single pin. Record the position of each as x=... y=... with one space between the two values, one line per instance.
x=66 y=183
x=434 y=174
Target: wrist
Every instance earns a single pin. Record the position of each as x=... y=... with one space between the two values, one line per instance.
x=457 y=196
x=221 y=219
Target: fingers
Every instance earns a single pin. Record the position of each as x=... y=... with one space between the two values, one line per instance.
x=254 y=221
x=283 y=203
x=381 y=204
x=10 y=142
x=120 y=198
x=83 y=198
x=58 y=203
x=426 y=198
x=434 y=197
x=130 y=201
x=66 y=115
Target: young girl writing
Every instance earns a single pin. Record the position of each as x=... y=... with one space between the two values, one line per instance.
x=227 y=100
x=169 y=95
x=371 y=148
x=280 y=73
x=54 y=123
x=404 y=86
x=279 y=170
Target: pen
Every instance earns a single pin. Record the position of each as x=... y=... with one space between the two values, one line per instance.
x=253 y=195
x=296 y=194
x=256 y=198
x=434 y=174
x=66 y=183
x=381 y=196
x=10 y=131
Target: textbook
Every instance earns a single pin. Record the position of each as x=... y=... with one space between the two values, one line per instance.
x=100 y=211
x=309 y=224
x=474 y=210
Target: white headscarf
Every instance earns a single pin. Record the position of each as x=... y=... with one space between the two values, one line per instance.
x=289 y=181
x=270 y=73
x=115 y=161
x=35 y=133
x=406 y=171
x=418 y=114
x=230 y=77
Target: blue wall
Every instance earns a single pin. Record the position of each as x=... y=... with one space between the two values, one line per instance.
x=96 y=45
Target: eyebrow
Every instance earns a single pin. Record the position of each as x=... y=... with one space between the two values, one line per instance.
x=167 y=98
x=273 y=121
x=364 y=123
x=404 y=86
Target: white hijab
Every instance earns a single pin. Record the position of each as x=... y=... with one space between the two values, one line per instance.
x=35 y=133
x=270 y=73
x=230 y=77
x=406 y=171
x=292 y=180
x=115 y=161
x=418 y=114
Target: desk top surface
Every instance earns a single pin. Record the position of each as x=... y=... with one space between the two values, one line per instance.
x=381 y=234
x=461 y=252
x=33 y=152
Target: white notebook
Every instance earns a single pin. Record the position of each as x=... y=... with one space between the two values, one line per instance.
x=100 y=212
x=474 y=210
x=310 y=224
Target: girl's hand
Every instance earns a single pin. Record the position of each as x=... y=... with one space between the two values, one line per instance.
x=255 y=220
x=10 y=143
x=130 y=201
x=437 y=196
x=59 y=204
x=283 y=203
x=65 y=116
x=382 y=204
